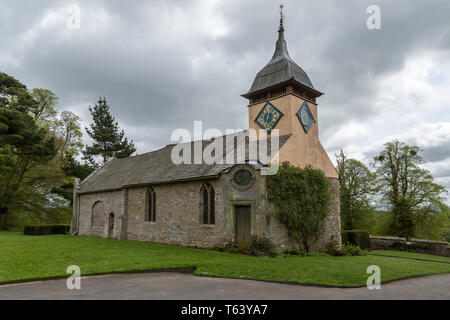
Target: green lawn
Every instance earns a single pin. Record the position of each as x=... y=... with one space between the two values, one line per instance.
x=35 y=257
x=410 y=255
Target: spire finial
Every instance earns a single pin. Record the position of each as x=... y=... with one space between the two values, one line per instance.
x=281 y=18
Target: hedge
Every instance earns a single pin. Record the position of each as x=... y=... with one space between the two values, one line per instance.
x=43 y=230
x=356 y=237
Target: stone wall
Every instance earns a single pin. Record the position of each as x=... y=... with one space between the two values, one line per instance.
x=440 y=248
x=178 y=216
x=112 y=202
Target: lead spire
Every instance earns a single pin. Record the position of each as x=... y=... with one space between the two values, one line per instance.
x=281 y=47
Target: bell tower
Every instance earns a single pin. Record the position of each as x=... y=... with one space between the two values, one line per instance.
x=283 y=97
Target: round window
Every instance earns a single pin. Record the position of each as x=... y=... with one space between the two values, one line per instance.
x=243 y=178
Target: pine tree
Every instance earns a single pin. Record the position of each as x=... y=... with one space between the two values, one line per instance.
x=108 y=139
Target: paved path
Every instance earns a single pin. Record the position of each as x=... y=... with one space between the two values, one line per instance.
x=171 y=285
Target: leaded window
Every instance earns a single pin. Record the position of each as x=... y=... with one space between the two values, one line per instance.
x=207 y=203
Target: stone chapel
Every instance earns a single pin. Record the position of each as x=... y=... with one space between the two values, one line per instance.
x=149 y=198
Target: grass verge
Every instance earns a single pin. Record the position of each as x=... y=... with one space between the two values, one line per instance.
x=410 y=255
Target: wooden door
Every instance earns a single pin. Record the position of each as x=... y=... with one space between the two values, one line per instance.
x=242 y=221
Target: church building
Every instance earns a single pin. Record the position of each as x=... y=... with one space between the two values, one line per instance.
x=150 y=198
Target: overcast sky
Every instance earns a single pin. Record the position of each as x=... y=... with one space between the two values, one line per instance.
x=163 y=64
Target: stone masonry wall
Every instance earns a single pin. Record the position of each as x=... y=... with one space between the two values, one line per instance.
x=112 y=202
x=178 y=216
x=440 y=248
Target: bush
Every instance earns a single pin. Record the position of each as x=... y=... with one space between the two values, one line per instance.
x=232 y=250
x=348 y=249
x=219 y=248
x=446 y=234
x=43 y=230
x=356 y=237
x=351 y=249
x=399 y=246
x=261 y=247
x=338 y=253
x=295 y=252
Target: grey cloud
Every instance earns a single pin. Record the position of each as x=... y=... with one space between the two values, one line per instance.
x=153 y=88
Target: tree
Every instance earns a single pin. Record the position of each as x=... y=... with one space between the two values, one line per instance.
x=302 y=201
x=108 y=138
x=72 y=167
x=433 y=224
x=45 y=111
x=70 y=135
x=54 y=179
x=356 y=188
x=408 y=189
x=22 y=143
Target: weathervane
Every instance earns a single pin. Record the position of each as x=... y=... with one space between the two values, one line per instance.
x=281 y=17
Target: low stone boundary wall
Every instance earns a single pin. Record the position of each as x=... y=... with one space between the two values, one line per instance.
x=440 y=248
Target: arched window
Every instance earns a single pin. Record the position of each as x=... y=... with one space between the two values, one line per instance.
x=111 y=225
x=150 y=214
x=207 y=203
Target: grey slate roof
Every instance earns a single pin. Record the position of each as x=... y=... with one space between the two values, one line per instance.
x=154 y=168
x=280 y=69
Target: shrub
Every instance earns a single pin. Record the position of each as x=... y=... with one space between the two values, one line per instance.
x=231 y=250
x=356 y=237
x=243 y=250
x=348 y=249
x=261 y=247
x=399 y=246
x=295 y=252
x=219 y=248
x=43 y=230
x=351 y=249
x=338 y=253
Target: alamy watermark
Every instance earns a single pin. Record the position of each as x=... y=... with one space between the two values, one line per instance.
x=374 y=20
x=74 y=281
x=235 y=147
x=374 y=280
x=73 y=22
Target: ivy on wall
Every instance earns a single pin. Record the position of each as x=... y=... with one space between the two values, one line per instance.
x=302 y=201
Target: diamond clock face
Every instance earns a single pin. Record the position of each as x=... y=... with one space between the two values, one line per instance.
x=305 y=116
x=268 y=117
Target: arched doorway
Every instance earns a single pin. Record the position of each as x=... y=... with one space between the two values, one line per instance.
x=98 y=218
x=111 y=225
